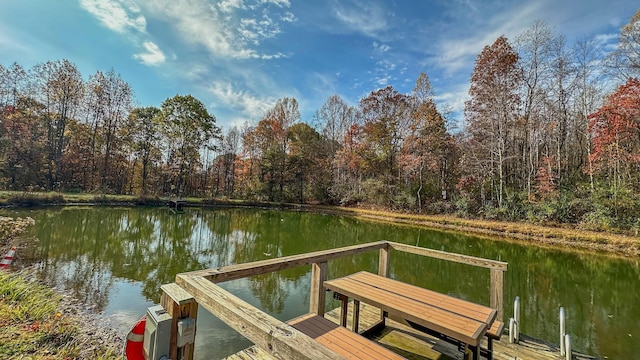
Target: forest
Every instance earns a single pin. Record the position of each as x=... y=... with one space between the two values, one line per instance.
x=551 y=134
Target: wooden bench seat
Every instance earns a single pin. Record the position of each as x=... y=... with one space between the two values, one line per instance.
x=342 y=341
x=496 y=330
x=494 y=333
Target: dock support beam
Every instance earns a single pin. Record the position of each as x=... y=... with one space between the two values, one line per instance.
x=179 y=304
x=317 y=297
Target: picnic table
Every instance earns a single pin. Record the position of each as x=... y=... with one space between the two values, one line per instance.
x=455 y=320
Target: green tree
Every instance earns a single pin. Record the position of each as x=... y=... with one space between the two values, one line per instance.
x=23 y=145
x=144 y=130
x=308 y=163
x=60 y=89
x=108 y=102
x=187 y=127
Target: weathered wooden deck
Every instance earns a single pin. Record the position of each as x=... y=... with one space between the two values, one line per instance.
x=274 y=338
x=415 y=345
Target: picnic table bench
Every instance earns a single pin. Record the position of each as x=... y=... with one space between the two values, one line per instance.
x=452 y=319
x=342 y=341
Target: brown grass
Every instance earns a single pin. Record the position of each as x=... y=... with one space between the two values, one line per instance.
x=542 y=235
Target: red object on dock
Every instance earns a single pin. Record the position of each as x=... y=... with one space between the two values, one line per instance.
x=133 y=347
x=6 y=262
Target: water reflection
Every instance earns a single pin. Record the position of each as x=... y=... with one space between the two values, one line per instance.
x=115 y=259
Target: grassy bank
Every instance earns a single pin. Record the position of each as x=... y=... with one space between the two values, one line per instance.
x=36 y=323
x=536 y=234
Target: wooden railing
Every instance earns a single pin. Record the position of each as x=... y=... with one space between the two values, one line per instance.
x=273 y=336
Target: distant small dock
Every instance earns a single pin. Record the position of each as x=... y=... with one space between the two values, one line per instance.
x=176 y=206
x=393 y=320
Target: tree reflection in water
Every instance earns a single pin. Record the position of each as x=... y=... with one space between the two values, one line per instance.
x=90 y=251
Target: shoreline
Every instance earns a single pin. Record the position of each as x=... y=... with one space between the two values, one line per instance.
x=517 y=232
x=566 y=236
x=49 y=323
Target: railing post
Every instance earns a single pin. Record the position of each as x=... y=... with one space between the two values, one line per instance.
x=179 y=304
x=562 y=332
x=497 y=292
x=383 y=268
x=317 y=297
x=383 y=262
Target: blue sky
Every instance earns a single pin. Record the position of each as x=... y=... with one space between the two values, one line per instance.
x=240 y=56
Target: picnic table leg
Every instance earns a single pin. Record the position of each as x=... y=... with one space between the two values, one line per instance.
x=345 y=307
x=490 y=348
x=356 y=314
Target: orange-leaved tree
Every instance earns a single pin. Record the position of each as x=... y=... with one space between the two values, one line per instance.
x=615 y=129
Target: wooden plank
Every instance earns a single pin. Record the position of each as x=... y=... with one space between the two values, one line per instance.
x=234 y=272
x=497 y=292
x=275 y=337
x=427 y=347
x=349 y=344
x=179 y=304
x=459 y=258
x=317 y=297
x=177 y=294
x=458 y=306
x=458 y=327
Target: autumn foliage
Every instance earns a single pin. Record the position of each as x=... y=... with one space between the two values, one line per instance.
x=542 y=137
x=616 y=135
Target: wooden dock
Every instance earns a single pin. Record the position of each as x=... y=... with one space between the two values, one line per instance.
x=312 y=340
x=415 y=345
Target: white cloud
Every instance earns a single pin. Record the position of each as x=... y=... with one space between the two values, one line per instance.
x=152 y=55
x=219 y=29
x=458 y=53
x=254 y=30
x=455 y=98
x=228 y=6
x=251 y=106
x=280 y=3
x=381 y=47
x=607 y=42
x=117 y=15
x=367 y=18
x=288 y=17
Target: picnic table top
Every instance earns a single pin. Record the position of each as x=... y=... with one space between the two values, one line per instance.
x=460 y=319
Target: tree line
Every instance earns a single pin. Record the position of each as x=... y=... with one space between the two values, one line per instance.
x=549 y=135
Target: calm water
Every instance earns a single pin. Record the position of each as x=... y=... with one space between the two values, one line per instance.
x=115 y=259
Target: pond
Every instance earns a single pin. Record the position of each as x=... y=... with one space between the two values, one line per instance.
x=115 y=259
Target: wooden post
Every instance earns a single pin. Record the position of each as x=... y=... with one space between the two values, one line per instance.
x=179 y=304
x=383 y=270
x=356 y=315
x=344 y=306
x=497 y=292
x=317 y=297
x=383 y=262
